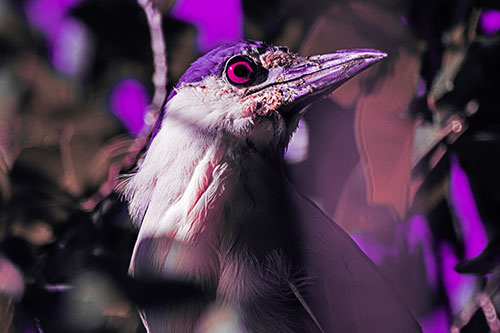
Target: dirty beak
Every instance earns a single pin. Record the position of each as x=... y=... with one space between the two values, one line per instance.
x=315 y=76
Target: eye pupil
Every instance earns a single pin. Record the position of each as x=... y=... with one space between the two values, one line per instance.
x=240 y=71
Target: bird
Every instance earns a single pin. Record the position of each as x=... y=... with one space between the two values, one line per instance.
x=214 y=206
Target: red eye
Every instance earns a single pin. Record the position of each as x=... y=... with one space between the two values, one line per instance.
x=240 y=72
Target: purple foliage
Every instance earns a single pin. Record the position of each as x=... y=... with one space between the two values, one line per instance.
x=420 y=235
x=216 y=23
x=67 y=41
x=129 y=101
x=465 y=208
x=490 y=21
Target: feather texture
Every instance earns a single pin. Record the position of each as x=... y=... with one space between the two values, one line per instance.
x=215 y=208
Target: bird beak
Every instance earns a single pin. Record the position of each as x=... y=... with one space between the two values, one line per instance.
x=309 y=78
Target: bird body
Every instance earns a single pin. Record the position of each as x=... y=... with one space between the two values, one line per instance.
x=215 y=207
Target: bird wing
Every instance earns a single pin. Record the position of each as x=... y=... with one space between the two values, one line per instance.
x=346 y=292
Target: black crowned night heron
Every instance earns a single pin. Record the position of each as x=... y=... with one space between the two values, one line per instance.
x=215 y=208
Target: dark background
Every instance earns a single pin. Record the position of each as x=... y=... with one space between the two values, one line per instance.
x=405 y=157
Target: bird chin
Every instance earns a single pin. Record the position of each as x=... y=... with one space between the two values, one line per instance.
x=292 y=111
x=300 y=105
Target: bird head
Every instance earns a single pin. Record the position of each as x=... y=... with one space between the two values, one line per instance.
x=241 y=96
x=250 y=91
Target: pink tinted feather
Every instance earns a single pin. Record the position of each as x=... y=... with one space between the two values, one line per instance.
x=346 y=293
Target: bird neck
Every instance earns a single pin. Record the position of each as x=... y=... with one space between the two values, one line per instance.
x=258 y=212
x=228 y=217
x=191 y=187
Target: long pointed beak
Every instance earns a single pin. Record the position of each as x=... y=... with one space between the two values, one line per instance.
x=315 y=76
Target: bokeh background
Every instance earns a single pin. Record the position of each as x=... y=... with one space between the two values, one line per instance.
x=405 y=157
